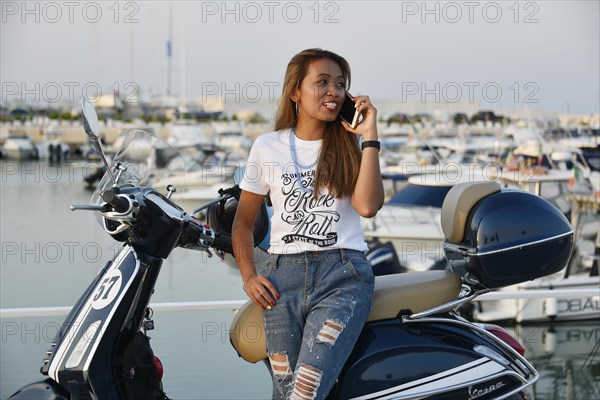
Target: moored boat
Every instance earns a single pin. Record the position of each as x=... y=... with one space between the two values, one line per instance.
x=19 y=148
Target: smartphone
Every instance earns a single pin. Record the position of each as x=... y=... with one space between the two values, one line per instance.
x=349 y=113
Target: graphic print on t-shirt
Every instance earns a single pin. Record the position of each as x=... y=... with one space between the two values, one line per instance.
x=309 y=218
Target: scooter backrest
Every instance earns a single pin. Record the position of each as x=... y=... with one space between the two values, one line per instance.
x=458 y=203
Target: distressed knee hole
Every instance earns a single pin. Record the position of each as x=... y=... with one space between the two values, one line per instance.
x=330 y=332
x=306 y=384
x=280 y=364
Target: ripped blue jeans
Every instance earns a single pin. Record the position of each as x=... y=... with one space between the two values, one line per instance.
x=325 y=301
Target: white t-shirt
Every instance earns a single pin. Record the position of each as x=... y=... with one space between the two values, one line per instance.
x=299 y=222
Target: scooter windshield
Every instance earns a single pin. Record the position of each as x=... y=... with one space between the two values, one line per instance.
x=143 y=160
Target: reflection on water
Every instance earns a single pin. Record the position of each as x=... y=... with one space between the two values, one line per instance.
x=567 y=356
x=49 y=255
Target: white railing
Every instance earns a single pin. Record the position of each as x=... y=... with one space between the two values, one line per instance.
x=540 y=294
x=236 y=304
x=160 y=307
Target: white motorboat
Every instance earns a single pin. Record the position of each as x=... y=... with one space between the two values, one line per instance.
x=141 y=147
x=230 y=135
x=55 y=148
x=196 y=197
x=204 y=167
x=442 y=155
x=571 y=308
x=410 y=219
x=186 y=133
x=555 y=185
x=19 y=148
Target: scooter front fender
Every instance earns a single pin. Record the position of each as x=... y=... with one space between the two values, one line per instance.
x=41 y=390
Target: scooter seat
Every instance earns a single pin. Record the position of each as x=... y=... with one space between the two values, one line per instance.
x=411 y=292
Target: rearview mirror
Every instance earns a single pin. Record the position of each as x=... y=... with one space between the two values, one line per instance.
x=92 y=128
x=90 y=120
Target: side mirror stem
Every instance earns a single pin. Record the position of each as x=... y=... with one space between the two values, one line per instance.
x=92 y=128
x=98 y=147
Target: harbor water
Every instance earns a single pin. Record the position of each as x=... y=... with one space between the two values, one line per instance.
x=50 y=254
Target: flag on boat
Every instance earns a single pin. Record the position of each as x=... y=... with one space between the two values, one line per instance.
x=575 y=177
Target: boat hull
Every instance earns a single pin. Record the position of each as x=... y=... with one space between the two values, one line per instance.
x=571 y=308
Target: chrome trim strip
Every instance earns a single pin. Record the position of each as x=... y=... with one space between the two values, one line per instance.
x=477 y=254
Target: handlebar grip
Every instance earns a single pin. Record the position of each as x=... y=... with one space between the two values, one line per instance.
x=223 y=243
x=119 y=204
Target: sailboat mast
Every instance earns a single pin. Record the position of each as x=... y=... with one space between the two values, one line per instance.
x=183 y=61
x=170 y=50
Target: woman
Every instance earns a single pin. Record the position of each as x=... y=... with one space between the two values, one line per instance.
x=316 y=292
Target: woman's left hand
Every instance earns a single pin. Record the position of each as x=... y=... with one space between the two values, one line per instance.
x=367 y=128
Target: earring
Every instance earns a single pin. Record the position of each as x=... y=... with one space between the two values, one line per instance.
x=297 y=112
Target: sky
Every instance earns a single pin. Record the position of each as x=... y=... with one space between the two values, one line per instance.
x=542 y=55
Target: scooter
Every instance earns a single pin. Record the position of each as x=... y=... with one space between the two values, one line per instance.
x=415 y=345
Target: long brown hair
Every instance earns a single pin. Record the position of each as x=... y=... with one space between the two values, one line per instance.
x=339 y=160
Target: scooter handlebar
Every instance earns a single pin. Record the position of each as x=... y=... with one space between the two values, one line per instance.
x=223 y=243
x=112 y=198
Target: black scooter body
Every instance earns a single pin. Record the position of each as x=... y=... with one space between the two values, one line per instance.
x=101 y=324
x=42 y=390
x=396 y=357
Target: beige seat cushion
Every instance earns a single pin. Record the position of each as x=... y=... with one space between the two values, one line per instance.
x=457 y=204
x=414 y=291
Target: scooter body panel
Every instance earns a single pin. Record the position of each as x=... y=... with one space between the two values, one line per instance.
x=42 y=390
x=96 y=324
x=397 y=360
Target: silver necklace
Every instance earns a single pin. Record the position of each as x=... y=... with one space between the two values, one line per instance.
x=297 y=165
